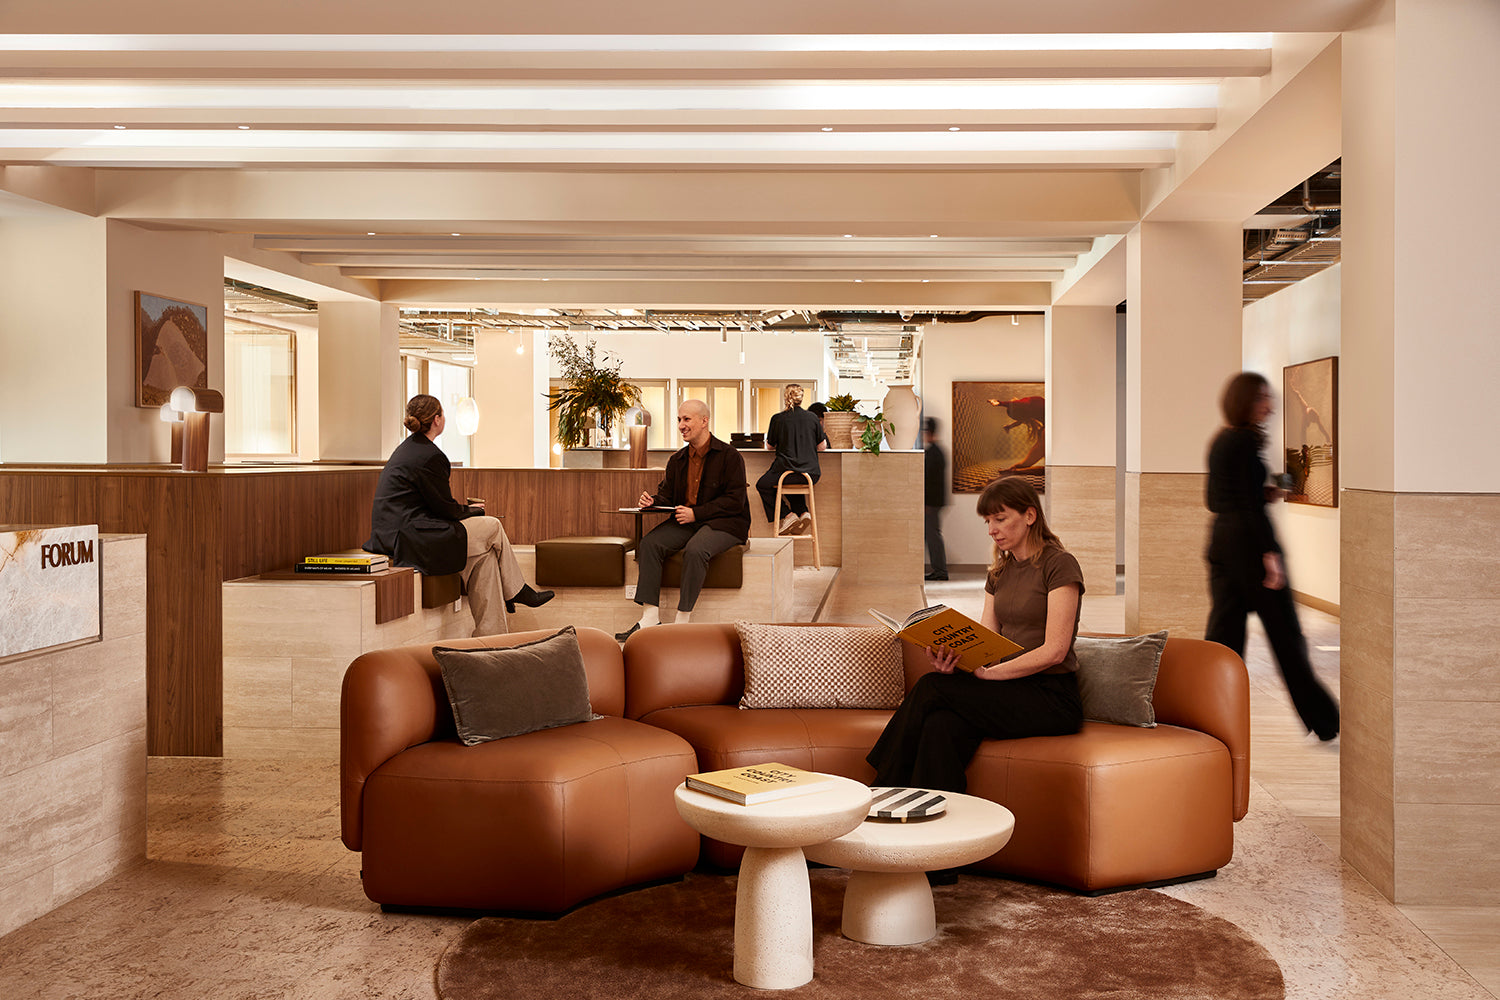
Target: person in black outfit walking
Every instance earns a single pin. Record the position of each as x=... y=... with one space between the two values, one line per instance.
x=1246 y=571
x=934 y=499
x=797 y=436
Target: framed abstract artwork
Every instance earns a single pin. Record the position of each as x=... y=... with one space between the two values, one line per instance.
x=1310 y=434
x=998 y=428
x=171 y=347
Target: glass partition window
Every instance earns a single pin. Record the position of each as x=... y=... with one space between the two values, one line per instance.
x=655 y=394
x=765 y=398
x=260 y=374
x=723 y=399
x=450 y=383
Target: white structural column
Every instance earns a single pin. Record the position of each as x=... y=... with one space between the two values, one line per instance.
x=1080 y=497
x=1183 y=332
x=361 y=395
x=510 y=387
x=1420 y=546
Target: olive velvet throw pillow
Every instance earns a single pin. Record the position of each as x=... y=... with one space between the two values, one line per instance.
x=509 y=691
x=820 y=666
x=1116 y=677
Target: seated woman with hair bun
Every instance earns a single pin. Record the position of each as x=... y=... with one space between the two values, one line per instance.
x=417 y=523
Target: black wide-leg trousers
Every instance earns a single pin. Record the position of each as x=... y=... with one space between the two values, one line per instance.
x=932 y=737
x=1235 y=595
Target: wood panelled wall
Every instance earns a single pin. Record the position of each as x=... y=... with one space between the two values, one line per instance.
x=201 y=529
x=546 y=503
x=204 y=528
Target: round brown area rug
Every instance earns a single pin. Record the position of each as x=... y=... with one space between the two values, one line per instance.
x=996 y=939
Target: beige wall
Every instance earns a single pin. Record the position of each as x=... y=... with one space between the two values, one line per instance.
x=988 y=350
x=510 y=389
x=53 y=337
x=360 y=388
x=185 y=266
x=1298 y=324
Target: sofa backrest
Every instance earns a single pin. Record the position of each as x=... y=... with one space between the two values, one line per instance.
x=1200 y=685
x=394 y=699
x=676 y=666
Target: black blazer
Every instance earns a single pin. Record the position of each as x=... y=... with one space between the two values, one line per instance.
x=415 y=520
x=722 y=502
x=1242 y=533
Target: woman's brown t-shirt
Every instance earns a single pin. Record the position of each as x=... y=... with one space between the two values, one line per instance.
x=1021 y=587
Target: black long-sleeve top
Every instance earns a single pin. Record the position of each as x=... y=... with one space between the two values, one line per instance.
x=1237 y=492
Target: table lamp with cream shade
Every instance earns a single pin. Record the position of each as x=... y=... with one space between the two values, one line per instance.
x=194 y=406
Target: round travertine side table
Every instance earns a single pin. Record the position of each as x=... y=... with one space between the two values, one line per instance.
x=888 y=900
x=773 y=948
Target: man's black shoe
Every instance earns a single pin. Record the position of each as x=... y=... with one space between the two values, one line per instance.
x=936 y=576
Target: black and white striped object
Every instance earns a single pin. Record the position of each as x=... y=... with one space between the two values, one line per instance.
x=903 y=804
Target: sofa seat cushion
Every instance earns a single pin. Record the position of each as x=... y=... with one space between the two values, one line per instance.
x=831 y=740
x=537 y=822
x=1110 y=805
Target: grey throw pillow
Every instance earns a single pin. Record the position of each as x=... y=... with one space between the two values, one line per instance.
x=1117 y=676
x=513 y=690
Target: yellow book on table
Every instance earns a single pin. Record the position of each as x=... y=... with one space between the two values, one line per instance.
x=757 y=783
x=942 y=627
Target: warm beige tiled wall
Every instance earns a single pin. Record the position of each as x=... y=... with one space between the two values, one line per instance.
x=882 y=517
x=1421 y=695
x=1081 y=509
x=73 y=751
x=1166 y=531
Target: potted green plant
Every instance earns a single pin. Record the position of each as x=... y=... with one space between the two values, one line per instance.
x=594 y=387
x=838 y=421
x=874 y=432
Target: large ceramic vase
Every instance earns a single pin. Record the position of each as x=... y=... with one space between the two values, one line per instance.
x=839 y=426
x=903 y=408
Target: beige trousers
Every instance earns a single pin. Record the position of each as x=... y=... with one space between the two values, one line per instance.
x=491 y=575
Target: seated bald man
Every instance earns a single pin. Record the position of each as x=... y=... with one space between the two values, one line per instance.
x=705 y=482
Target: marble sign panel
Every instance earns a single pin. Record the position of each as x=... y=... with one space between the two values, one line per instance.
x=49 y=586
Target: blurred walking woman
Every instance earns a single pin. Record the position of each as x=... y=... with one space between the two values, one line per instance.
x=1246 y=571
x=417 y=523
x=1032 y=597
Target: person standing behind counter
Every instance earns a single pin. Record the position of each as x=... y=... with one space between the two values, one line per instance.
x=705 y=483
x=1245 y=568
x=934 y=499
x=796 y=436
x=417 y=523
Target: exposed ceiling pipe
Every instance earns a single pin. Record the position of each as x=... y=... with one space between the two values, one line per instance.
x=1307 y=204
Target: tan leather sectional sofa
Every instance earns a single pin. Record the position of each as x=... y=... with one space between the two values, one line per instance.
x=543 y=821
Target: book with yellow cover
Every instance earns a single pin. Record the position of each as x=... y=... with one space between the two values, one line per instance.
x=940 y=626
x=759 y=783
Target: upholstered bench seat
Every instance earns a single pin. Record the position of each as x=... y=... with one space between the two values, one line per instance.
x=582 y=561
x=440 y=590
x=725 y=571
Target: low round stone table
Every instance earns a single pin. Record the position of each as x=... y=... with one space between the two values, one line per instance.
x=888 y=900
x=773 y=945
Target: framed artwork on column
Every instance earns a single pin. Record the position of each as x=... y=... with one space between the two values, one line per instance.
x=171 y=347
x=1310 y=422
x=998 y=429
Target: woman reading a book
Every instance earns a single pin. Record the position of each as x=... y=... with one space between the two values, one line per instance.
x=1032 y=597
x=417 y=523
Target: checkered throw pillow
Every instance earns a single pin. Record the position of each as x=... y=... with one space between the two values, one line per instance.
x=820 y=666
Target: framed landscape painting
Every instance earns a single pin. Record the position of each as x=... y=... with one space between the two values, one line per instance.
x=171 y=347
x=1310 y=421
x=999 y=428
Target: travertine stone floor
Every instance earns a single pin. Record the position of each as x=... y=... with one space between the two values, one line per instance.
x=247 y=892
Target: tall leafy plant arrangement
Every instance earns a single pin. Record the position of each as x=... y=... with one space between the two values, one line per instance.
x=593 y=386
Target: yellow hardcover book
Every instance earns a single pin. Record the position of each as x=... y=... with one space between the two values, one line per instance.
x=346 y=559
x=757 y=783
x=942 y=627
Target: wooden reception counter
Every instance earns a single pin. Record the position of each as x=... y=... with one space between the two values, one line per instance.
x=204 y=528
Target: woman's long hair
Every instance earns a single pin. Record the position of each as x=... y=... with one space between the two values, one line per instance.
x=421 y=411
x=1015 y=493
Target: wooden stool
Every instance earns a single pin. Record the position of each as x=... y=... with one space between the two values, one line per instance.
x=783 y=488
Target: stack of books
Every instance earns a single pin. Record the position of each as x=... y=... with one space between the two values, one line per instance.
x=343 y=562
